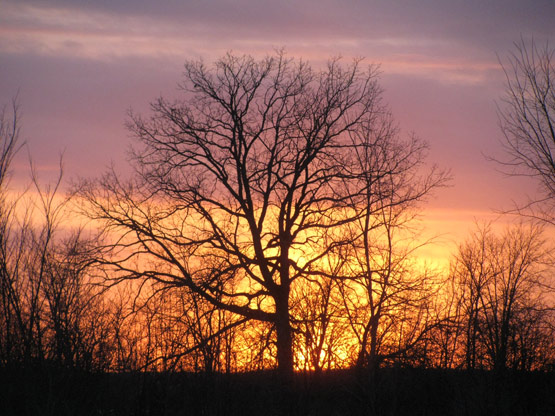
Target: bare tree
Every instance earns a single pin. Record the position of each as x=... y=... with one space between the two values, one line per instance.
x=381 y=289
x=46 y=301
x=318 y=324
x=9 y=137
x=9 y=299
x=184 y=331
x=126 y=334
x=447 y=336
x=238 y=183
x=502 y=279
x=75 y=314
x=528 y=121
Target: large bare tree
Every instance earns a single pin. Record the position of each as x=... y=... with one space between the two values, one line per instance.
x=240 y=182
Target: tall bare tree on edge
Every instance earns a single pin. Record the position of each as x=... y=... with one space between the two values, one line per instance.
x=527 y=118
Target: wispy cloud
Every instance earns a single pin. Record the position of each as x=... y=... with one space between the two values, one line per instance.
x=61 y=31
x=83 y=34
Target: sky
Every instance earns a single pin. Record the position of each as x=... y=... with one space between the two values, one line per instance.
x=78 y=67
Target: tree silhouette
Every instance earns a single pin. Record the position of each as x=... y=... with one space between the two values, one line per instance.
x=9 y=299
x=239 y=184
x=383 y=292
x=503 y=281
x=47 y=303
x=528 y=121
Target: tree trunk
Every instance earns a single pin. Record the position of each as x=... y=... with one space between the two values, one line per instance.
x=284 y=338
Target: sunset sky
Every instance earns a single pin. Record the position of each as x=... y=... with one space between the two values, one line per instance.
x=77 y=66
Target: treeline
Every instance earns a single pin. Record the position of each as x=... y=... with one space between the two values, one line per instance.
x=269 y=225
x=492 y=312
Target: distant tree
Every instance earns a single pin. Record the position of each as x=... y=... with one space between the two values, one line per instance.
x=527 y=117
x=183 y=331
x=238 y=183
x=385 y=295
x=47 y=303
x=447 y=336
x=504 y=283
x=75 y=314
x=9 y=300
x=127 y=332
x=321 y=331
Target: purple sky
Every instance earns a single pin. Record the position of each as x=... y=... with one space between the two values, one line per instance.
x=80 y=65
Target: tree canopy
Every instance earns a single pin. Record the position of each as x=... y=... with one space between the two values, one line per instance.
x=264 y=169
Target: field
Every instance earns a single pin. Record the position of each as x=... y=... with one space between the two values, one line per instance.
x=393 y=391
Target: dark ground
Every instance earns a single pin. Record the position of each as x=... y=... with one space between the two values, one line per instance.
x=390 y=392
